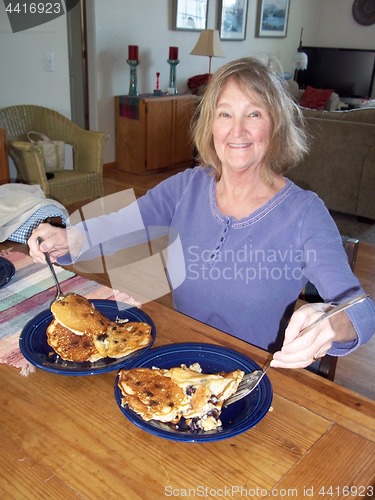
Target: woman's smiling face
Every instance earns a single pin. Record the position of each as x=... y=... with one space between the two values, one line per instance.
x=241 y=129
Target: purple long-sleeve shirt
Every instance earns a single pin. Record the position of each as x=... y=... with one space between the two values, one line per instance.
x=244 y=276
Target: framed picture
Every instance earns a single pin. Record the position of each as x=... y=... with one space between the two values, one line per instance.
x=190 y=15
x=233 y=18
x=272 y=18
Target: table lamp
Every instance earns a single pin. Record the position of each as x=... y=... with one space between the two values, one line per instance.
x=209 y=45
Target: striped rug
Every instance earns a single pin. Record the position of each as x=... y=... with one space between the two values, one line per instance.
x=31 y=291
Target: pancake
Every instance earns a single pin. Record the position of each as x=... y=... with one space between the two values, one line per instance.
x=180 y=392
x=121 y=339
x=69 y=346
x=79 y=315
x=75 y=317
x=152 y=395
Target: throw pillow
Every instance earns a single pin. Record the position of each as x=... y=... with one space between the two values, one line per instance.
x=198 y=83
x=315 y=98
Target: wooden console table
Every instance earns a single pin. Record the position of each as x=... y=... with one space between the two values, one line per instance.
x=152 y=133
x=4 y=164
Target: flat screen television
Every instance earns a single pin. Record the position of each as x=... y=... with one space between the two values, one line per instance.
x=350 y=72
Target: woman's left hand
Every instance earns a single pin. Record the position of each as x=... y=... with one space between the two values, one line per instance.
x=301 y=349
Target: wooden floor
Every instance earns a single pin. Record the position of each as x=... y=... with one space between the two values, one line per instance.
x=355 y=371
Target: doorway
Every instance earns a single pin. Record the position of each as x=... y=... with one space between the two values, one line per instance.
x=77 y=53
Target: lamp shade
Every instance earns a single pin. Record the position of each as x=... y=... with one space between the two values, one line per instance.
x=208 y=44
x=300 y=60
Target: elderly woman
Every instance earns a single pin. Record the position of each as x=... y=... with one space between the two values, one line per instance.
x=251 y=238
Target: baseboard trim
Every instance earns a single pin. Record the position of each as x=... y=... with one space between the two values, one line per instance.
x=108 y=166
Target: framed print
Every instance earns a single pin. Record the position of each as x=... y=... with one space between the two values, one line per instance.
x=233 y=18
x=190 y=15
x=272 y=18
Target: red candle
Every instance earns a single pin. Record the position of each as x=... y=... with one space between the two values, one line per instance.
x=173 y=53
x=133 y=52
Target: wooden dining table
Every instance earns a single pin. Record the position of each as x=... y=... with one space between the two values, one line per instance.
x=65 y=437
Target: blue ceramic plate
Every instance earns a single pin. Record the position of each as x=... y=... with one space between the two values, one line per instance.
x=7 y=271
x=34 y=346
x=236 y=418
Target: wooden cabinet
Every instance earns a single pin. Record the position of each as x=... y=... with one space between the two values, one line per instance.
x=4 y=165
x=152 y=133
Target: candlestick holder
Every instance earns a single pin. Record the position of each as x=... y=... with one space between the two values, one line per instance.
x=172 y=87
x=133 y=87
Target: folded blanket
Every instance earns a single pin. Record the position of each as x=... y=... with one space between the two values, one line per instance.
x=18 y=202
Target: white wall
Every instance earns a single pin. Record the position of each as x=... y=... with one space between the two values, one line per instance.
x=339 y=29
x=23 y=79
x=147 y=23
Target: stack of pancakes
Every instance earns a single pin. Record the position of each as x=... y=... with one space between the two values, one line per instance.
x=180 y=392
x=79 y=332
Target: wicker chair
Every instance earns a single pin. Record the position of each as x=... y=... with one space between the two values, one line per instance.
x=84 y=181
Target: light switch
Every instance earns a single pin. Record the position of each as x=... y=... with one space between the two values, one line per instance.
x=49 y=61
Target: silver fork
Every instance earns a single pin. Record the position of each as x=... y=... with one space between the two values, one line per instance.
x=251 y=380
x=60 y=294
x=248 y=383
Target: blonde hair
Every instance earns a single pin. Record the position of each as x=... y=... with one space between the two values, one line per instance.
x=288 y=142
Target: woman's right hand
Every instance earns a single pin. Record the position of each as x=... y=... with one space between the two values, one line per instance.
x=54 y=240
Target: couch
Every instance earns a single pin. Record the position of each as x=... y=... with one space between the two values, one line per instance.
x=340 y=166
